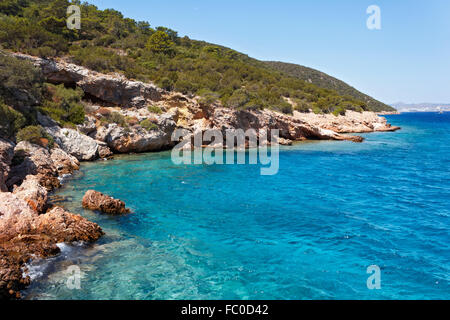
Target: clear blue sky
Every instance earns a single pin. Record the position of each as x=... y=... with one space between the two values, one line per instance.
x=407 y=60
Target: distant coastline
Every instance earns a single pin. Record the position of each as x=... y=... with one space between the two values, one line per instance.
x=421 y=107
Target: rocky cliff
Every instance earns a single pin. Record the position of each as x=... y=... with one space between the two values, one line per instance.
x=115 y=94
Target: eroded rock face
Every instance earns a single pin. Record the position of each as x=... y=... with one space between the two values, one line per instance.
x=64 y=163
x=80 y=146
x=24 y=235
x=225 y=119
x=104 y=152
x=33 y=160
x=6 y=156
x=114 y=89
x=94 y=200
x=138 y=139
x=33 y=194
x=63 y=226
x=352 y=122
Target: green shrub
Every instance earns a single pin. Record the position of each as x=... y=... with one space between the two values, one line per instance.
x=161 y=56
x=10 y=121
x=18 y=75
x=116 y=117
x=339 y=111
x=36 y=135
x=148 y=125
x=285 y=107
x=154 y=109
x=302 y=106
x=64 y=105
x=207 y=97
x=238 y=99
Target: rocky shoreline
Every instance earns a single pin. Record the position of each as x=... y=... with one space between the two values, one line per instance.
x=31 y=227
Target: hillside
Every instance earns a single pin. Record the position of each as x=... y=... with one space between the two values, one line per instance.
x=108 y=42
x=323 y=80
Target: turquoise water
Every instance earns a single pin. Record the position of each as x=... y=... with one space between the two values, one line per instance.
x=310 y=232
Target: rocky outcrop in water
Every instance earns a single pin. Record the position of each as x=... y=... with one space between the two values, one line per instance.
x=24 y=234
x=94 y=200
x=352 y=122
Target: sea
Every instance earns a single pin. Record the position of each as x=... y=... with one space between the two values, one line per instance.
x=340 y=220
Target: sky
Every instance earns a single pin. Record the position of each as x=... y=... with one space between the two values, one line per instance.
x=407 y=60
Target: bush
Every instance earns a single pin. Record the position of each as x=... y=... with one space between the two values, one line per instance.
x=148 y=125
x=154 y=109
x=10 y=121
x=18 y=75
x=116 y=117
x=36 y=135
x=339 y=111
x=302 y=106
x=64 y=105
x=285 y=107
x=238 y=99
x=207 y=97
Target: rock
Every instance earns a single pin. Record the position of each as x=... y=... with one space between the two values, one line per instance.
x=11 y=206
x=80 y=146
x=33 y=160
x=352 y=122
x=25 y=235
x=32 y=193
x=285 y=142
x=113 y=89
x=138 y=139
x=88 y=127
x=63 y=226
x=94 y=200
x=64 y=163
x=6 y=156
x=104 y=152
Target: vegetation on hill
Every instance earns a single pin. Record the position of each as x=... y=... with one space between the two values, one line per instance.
x=326 y=81
x=109 y=42
x=23 y=93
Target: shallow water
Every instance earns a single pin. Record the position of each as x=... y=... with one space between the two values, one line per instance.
x=310 y=232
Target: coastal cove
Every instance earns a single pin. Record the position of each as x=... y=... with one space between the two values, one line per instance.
x=310 y=232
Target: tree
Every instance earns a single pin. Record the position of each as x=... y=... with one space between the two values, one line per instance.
x=160 y=42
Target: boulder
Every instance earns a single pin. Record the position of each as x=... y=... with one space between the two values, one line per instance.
x=138 y=139
x=63 y=226
x=94 y=200
x=80 y=146
x=104 y=152
x=33 y=160
x=12 y=206
x=32 y=193
x=64 y=163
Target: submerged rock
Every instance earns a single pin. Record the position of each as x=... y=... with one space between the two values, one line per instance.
x=94 y=200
